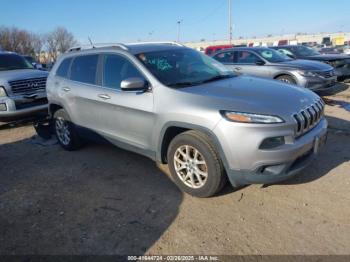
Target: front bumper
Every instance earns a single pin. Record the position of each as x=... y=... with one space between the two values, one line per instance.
x=17 y=109
x=343 y=72
x=247 y=164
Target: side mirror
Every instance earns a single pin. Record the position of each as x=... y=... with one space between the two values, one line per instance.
x=134 y=84
x=260 y=62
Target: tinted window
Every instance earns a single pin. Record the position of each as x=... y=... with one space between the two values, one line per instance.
x=244 y=57
x=226 y=57
x=64 y=67
x=116 y=69
x=13 y=62
x=84 y=69
x=304 y=51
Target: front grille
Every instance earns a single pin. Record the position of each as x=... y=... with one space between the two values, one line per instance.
x=29 y=104
x=308 y=118
x=326 y=74
x=28 y=85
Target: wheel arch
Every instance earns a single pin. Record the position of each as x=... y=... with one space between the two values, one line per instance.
x=279 y=74
x=53 y=108
x=172 y=129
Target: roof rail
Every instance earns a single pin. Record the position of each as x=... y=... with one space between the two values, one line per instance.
x=97 y=45
x=159 y=42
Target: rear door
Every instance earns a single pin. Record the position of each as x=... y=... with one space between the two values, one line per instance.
x=82 y=91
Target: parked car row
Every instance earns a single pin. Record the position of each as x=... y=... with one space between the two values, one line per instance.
x=296 y=64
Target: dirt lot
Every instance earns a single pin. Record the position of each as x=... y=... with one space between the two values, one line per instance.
x=103 y=200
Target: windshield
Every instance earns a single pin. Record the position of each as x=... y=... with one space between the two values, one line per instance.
x=183 y=67
x=29 y=59
x=273 y=56
x=305 y=51
x=13 y=62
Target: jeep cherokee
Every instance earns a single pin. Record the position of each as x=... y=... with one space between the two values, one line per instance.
x=183 y=108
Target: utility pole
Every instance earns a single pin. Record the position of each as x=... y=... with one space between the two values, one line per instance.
x=230 y=20
x=178 y=30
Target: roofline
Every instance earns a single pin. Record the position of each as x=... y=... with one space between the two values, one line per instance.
x=116 y=45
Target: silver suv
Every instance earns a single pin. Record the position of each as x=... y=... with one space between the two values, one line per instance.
x=22 y=88
x=180 y=107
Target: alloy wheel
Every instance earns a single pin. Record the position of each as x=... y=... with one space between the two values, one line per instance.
x=190 y=166
x=62 y=131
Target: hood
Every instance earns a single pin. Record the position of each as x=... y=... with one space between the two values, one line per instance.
x=328 y=57
x=20 y=74
x=253 y=95
x=306 y=65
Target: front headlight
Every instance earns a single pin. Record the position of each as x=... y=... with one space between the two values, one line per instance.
x=241 y=117
x=2 y=92
x=306 y=73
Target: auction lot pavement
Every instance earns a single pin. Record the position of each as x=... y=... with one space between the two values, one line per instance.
x=104 y=200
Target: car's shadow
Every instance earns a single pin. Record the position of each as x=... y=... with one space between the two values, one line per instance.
x=99 y=200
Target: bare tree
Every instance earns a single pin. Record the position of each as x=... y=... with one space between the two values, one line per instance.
x=28 y=43
x=16 y=40
x=59 y=41
x=38 y=43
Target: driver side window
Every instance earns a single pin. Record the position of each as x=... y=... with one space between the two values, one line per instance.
x=245 y=57
x=116 y=69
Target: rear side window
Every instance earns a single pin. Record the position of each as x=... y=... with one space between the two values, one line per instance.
x=116 y=69
x=226 y=57
x=84 y=69
x=63 y=69
x=244 y=57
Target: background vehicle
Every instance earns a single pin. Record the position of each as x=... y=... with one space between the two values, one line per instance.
x=215 y=48
x=268 y=63
x=180 y=107
x=341 y=63
x=35 y=64
x=22 y=88
x=326 y=41
x=329 y=50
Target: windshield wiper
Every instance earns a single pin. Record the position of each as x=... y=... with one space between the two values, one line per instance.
x=183 y=84
x=216 y=78
x=186 y=84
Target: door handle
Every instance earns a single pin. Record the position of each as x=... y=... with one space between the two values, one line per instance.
x=238 y=68
x=104 y=96
x=66 y=89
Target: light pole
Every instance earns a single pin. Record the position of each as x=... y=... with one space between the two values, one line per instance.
x=230 y=20
x=178 y=30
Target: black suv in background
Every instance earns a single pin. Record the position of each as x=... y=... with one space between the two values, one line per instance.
x=341 y=63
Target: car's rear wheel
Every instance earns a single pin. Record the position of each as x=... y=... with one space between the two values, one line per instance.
x=194 y=164
x=286 y=79
x=65 y=131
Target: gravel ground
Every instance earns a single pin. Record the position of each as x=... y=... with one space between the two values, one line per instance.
x=104 y=200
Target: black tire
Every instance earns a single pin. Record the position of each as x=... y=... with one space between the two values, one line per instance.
x=286 y=79
x=216 y=177
x=75 y=141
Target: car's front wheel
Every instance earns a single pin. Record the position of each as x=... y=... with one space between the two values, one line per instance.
x=194 y=164
x=65 y=131
x=287 y=79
